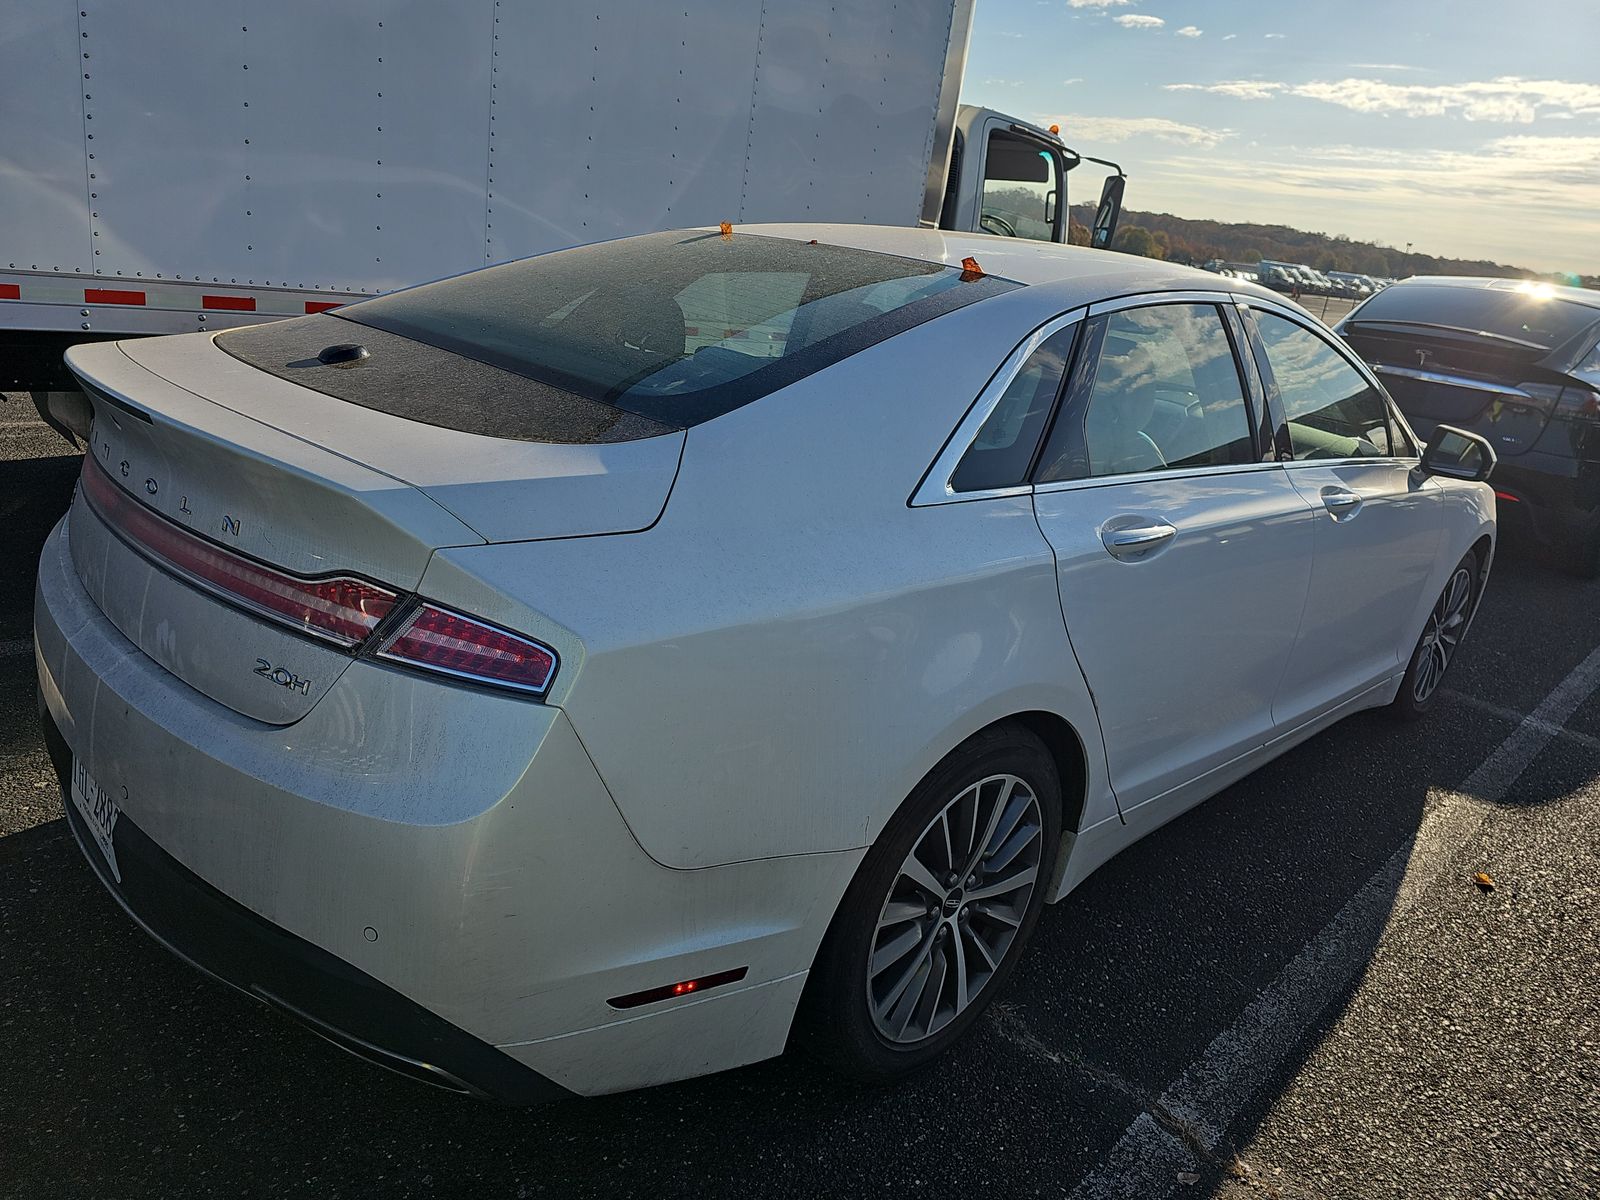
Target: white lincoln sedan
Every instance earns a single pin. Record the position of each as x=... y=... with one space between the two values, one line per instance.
x=594 y=670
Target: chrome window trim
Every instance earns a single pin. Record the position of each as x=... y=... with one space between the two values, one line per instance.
x=1168 y=473
x=935 y=486
x=1156 y=299
x=1371 y=460
x=1460 y=381
x=1340 y=347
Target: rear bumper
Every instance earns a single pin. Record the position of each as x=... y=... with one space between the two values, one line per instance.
x=230 y=943
x=1554 y=506
x=453 y=852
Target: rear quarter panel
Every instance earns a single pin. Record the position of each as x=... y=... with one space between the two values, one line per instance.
x=772 y=668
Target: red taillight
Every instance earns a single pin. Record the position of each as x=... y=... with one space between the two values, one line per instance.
x=1508 y=496
x=340 y=609
x=436 y=639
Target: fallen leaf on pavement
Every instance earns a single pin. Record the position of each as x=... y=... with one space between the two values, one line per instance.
x=1484 y=881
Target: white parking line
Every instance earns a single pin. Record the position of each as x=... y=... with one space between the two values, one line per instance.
x=14 y=648
x=1206 y=1099
x=1511 y=714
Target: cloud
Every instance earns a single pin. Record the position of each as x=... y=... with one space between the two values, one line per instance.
x=1190 y=31
x=1073 y=80
x=1274 y=35
x=1121 y=129
x=1519 y=198
x=1096 y=3
x=1358 y=66
x=1238 y=89
x=1507 y=99
x=1139 y=21
x=1228 y=37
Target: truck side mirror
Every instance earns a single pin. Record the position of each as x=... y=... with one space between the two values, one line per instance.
x=1457 y=454
x=1109 y=212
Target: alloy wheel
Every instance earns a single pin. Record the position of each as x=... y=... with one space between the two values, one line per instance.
x=954 y=909
x=1446 y=624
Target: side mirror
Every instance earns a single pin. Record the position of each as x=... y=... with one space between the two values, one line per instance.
x=1110 y=210
x=1457 y=454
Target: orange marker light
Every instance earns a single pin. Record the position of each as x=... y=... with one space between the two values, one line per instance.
x=727 y=229
x=970 y=269
x=1055 y=129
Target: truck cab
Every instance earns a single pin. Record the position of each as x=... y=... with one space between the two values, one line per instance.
x=1009 y=177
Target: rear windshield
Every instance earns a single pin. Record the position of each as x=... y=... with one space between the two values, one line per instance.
x=676 y=327
x=1532 y=316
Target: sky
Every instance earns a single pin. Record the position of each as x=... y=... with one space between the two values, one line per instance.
x=1470 y=128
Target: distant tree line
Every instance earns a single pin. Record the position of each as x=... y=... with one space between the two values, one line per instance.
x=1194 y=243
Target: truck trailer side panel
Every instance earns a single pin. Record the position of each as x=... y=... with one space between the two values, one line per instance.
x=367 y=145
x=44 y=193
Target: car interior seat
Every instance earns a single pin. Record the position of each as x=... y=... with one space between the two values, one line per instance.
x=1123 y=402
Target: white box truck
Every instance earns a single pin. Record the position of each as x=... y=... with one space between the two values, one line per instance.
x=177 y=165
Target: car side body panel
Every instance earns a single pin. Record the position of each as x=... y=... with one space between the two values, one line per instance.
x=838 y=662
x=1212 y=613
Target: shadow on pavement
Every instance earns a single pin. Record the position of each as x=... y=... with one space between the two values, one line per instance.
x=34 y=493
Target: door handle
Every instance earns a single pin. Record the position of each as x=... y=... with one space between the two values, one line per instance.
x=1341 y=502
x=1135 y=541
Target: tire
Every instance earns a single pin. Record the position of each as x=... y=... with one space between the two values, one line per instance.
x=1441 y=639
x=903 y=925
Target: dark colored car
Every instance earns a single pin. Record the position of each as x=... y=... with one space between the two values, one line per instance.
x=1516 y=362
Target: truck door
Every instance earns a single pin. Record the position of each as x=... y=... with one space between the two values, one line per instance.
x=1006 y=180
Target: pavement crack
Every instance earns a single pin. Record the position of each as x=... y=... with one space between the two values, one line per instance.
x=1216 y=1153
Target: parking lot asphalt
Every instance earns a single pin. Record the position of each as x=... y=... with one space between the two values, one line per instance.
x=1295 y=990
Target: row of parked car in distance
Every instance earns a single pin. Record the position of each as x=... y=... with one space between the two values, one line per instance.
x=1300 y=279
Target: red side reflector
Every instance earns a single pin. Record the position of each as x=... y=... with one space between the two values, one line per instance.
x=340 y=609
x=316 y=306
x=682 y=988
x=1508 y=496
x=111 y=296
x=10 y=291
x=436 y=639
x=233 y=303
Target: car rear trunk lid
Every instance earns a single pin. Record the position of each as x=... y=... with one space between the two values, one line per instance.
x=262 y=468
x=1439 y=377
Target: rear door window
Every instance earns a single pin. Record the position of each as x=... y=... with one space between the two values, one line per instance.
x=1166 y=395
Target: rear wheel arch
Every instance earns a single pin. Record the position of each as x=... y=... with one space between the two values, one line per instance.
x=1066 y=749
x=1072 y=763
x=1046 y=755
x=1483 y=548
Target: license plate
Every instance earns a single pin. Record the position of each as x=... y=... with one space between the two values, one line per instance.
x=99 y=811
